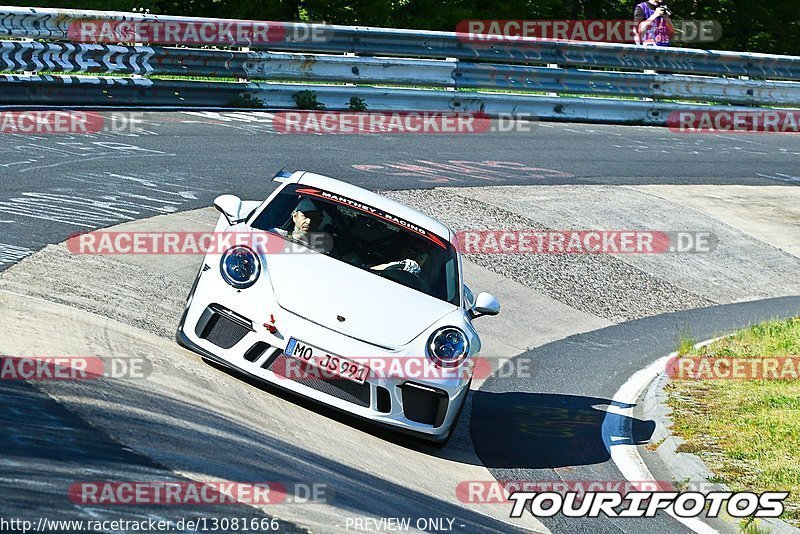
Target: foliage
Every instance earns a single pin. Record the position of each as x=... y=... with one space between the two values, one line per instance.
x=246 y=101
x=307 y=100
x=357 y=104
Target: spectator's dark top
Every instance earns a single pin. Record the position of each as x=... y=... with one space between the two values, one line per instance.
x=658 y=33
x=638 y=14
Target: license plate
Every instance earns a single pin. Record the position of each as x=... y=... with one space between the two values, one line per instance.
x=330 y=364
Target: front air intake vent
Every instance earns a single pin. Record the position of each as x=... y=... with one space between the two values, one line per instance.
x=222 y=327
x=383 y=399
x=423 y=404
x=255 y=352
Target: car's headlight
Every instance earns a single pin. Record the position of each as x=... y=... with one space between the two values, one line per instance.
x=448 y=347
x=240 y=266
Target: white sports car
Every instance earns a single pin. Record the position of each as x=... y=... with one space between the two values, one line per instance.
x=344 y=297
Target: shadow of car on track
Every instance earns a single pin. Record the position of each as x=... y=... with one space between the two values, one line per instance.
x=502 y=430
x=199 y=439
x=457 y=449
x=545 y=430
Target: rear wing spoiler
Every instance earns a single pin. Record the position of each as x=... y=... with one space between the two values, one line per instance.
x=282 y=176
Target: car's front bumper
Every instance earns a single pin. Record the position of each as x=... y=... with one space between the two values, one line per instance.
x=423 y=406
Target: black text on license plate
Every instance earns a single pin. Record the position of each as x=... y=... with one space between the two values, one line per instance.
x=330 y=365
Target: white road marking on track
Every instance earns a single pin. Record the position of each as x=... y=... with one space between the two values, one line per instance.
x=32 y=154
x=12 y=253
x=254 y=122
x=23 y=162
x=618 y=435
x=113 y=198
x=81 y=160
x=245 y=116
x=780 y=176
x=81 y=211
x=739 y=139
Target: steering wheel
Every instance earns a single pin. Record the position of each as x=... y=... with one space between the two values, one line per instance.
x=406 y=278
x=366 y=250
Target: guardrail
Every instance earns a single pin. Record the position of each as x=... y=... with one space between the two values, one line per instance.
x=377 y=57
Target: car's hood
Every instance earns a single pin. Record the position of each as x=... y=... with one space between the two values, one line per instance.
x=374 y=309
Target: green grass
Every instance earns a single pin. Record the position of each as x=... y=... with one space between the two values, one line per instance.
x=746 y=431
x=753 y=526
x=685 y=344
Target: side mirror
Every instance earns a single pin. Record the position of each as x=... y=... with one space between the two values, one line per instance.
x=229 y=206
x=485 y=304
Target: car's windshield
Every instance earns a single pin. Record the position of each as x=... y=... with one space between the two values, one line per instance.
x=365 y=237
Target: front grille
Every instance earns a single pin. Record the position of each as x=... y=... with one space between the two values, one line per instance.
x=340 y=388
x=222 y=331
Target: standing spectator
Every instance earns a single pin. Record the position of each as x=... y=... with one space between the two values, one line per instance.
x=653 y=25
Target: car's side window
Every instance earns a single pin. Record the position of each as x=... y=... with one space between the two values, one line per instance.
x=277 y=214
x=469 y=297
x=452 y=279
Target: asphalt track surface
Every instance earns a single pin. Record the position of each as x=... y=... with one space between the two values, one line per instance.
x=573 y=380
x=53 y=186
x=52 y=183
